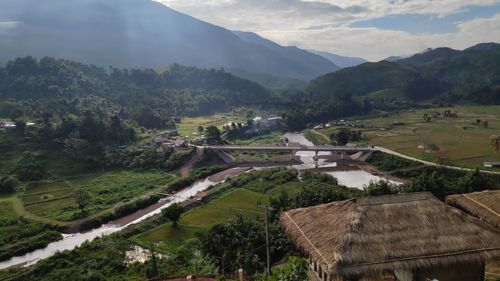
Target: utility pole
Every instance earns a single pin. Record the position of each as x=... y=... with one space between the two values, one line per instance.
x=267 y=209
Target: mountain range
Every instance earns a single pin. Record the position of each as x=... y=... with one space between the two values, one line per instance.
x=341 y=61
x=143 y=34
x=443 y=73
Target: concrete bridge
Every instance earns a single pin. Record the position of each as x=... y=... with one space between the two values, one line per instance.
x=316 y=149
x=342 y=150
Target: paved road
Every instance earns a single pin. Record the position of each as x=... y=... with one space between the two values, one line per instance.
x=428 y=163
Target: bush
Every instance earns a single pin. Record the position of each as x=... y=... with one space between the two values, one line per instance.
x=132 y=206
x=8 y=184
x=28 y=168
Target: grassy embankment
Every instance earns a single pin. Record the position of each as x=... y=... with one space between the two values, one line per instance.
x=316 y=137
x=459 y=141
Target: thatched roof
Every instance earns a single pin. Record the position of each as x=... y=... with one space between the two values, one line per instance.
x=369 y=235
x=483 y=205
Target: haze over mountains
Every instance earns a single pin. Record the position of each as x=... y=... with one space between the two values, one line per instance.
x=143 y=33
x=341 y=61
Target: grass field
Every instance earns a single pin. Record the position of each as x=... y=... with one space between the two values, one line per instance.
x=54 y=200
x=316 y=138
x=467 y=147
x=219 y=210
x=272 y=138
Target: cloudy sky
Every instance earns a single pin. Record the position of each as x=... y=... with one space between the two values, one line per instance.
x=372 y=29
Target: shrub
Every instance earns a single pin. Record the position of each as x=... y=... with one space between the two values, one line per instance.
x=8 y=184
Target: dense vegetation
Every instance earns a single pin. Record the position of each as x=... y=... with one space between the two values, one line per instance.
x=387 y=162
x=51 y=87
x=443 y=182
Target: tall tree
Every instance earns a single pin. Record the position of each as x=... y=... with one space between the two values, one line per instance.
x=213 y=135
x=82 y=199
x=173 y=213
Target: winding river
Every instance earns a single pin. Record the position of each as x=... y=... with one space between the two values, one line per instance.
x=355 y=179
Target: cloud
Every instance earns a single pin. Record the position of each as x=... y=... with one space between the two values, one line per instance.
x=325 y=24
x=6 y=25
x=375 y=44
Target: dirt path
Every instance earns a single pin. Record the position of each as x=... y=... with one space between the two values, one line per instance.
x=428 y=163
x=186 y=168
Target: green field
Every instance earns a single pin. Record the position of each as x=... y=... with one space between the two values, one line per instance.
x=219 y=210
x=457 y=146
x=189 y=125
x=272 y=138
x=316 y=138
x=54 y=200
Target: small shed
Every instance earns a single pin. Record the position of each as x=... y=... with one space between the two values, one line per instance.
x=491 y=164
x=410 y=237
x=484 y=205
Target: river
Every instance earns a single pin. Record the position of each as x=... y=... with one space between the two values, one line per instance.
x=356 y=179
x=71 y=241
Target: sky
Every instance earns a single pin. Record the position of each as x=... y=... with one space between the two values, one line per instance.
x=371 y=29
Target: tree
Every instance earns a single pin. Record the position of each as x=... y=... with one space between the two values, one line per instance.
x=473 y=181
x=235 y=244
x=91 y=129
x=173 y=213
x=342 y=136
x=200 y=129
x=486 y=123
x=295 y=270
x=28 y=168
x=148 y=118
x=68 y=125
x=380 y=188
x=8 y=184
x=495 y=142
x=213 y=135
x=82 y=199
x=20 y=125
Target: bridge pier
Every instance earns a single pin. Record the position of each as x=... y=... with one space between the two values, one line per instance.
x=316 y=159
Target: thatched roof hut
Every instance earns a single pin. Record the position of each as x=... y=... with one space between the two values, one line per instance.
x=483 y=205
x=370 y=236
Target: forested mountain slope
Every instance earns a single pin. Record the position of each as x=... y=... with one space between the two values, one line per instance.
x=56 y=86
x=139 y=34
x=442 y=74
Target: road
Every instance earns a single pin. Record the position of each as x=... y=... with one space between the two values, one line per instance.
x=428 y=163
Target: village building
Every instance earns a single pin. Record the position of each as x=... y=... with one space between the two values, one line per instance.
x=491 y=164
x=274 y=121
x=484 y=205
x=409 y=237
